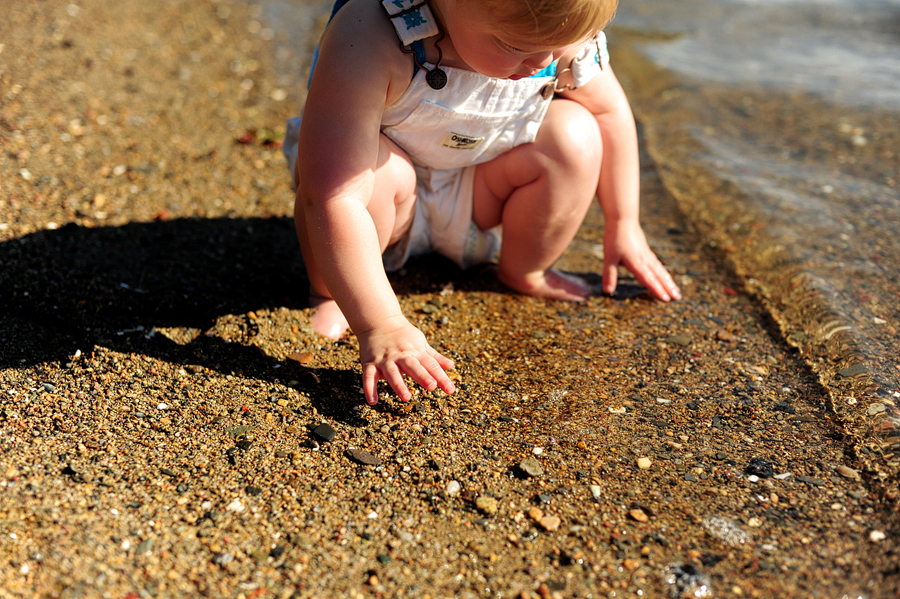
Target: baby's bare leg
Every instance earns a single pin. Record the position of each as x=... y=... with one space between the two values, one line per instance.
x=541 y=192
x=391 y=208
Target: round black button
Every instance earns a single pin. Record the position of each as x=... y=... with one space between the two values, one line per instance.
x=436 y=79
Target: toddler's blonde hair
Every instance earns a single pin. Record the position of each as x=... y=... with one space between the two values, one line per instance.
x=551 y=22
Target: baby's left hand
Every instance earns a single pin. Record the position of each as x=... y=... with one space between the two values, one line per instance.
x=625 y=244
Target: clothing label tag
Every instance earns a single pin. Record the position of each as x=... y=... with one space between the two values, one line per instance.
x=458 y=141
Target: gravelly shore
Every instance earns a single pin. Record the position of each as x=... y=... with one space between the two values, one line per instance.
x=162 y=397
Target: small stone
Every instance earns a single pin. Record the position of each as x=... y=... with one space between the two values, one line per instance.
x=631 y=564
x=162 y=406
x=638 y=515
x=453 y=488
x=877 y=536
x=537 y=451
x=760 y=468
x=847 y=472
x=535 y=514
x=545 y=498
x=531 y=467
x=680 y=339
x=753 y=478
x=816 y=482
x=324 y=433
x=235 y=506
x=222 y=558
x=754 y=522
x=644 y=463
x=595 y=491
x=550 y=523
x=301 y=357
x=690 y=478
x=486 y=505
x=875 y=408
x=723 y=335
x=253 y=490
x=49 y=388
x=168 y=472
x=363 y=457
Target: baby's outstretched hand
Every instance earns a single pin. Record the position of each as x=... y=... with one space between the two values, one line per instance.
x=395 y=349
x=625 y=244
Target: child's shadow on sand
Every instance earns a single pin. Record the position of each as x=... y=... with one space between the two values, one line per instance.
x=72 y=288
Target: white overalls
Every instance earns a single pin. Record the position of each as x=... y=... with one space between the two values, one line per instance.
x=446 y=132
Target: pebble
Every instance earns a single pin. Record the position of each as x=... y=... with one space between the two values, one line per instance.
x=644 y=463
x=324 y=433
x=816 y=482
x=537 y=451
x=638 y=515
x=363 y=457
x=49 y=387
x=531 y=467
x=877 y=536
x=760 y=467
x=595 y=491
x=753 y=478
x=222 y=558
x=235 y=506
x=535 y=514
x=545 y=498
x=453 y=488
x=725 y=530
x=847 y=472
x=487 y=505
x=550 y=523
x=875 y=408
x=162 y=406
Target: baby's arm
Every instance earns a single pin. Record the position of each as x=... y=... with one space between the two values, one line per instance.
x=338 y=157
x=619 y=188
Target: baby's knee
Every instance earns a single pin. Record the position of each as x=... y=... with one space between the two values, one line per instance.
x=576 y=136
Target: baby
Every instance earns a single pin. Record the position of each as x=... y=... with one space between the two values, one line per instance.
x=480 y=129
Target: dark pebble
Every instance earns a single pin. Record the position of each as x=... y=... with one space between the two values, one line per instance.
x=760 y=468
x=544 y=498
x=482 y=522
x=783 y=406
x=324 y=433
x=277 y=551
x=363 y=457
x=507 y=419
x=690 y=478
x=181 y=488
x=168 y=472
x=816 y=482
x=244 y=444
x=68 y=471
x=253 y=491
x=384 y=559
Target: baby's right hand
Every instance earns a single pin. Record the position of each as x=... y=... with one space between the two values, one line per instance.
x=397 y=348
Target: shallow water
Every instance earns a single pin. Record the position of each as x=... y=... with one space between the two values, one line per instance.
x=795 y=105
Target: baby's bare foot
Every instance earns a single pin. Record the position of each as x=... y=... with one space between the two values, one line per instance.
x=551 y=284
x=327 y=319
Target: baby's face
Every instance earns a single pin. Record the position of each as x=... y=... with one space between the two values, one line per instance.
x=486 y=49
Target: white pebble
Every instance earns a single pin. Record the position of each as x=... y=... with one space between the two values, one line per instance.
x=235 y=506
x=877 y=535
x=453 y=488
x=537 y=451
x=644 y=463
x=120 y=170
x=372 y=515
x=126 y=544
x=595 y=491
x=753 y=478
x=206 y=505
x=278 y=95
x=162 y=406
x=783 y=475
x=25 y=174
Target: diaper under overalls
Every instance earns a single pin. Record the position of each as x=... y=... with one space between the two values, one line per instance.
x=446 y=132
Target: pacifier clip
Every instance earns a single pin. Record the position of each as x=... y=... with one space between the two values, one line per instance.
x=414 y=21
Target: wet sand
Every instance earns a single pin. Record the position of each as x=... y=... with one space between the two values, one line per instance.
x=162 y=398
